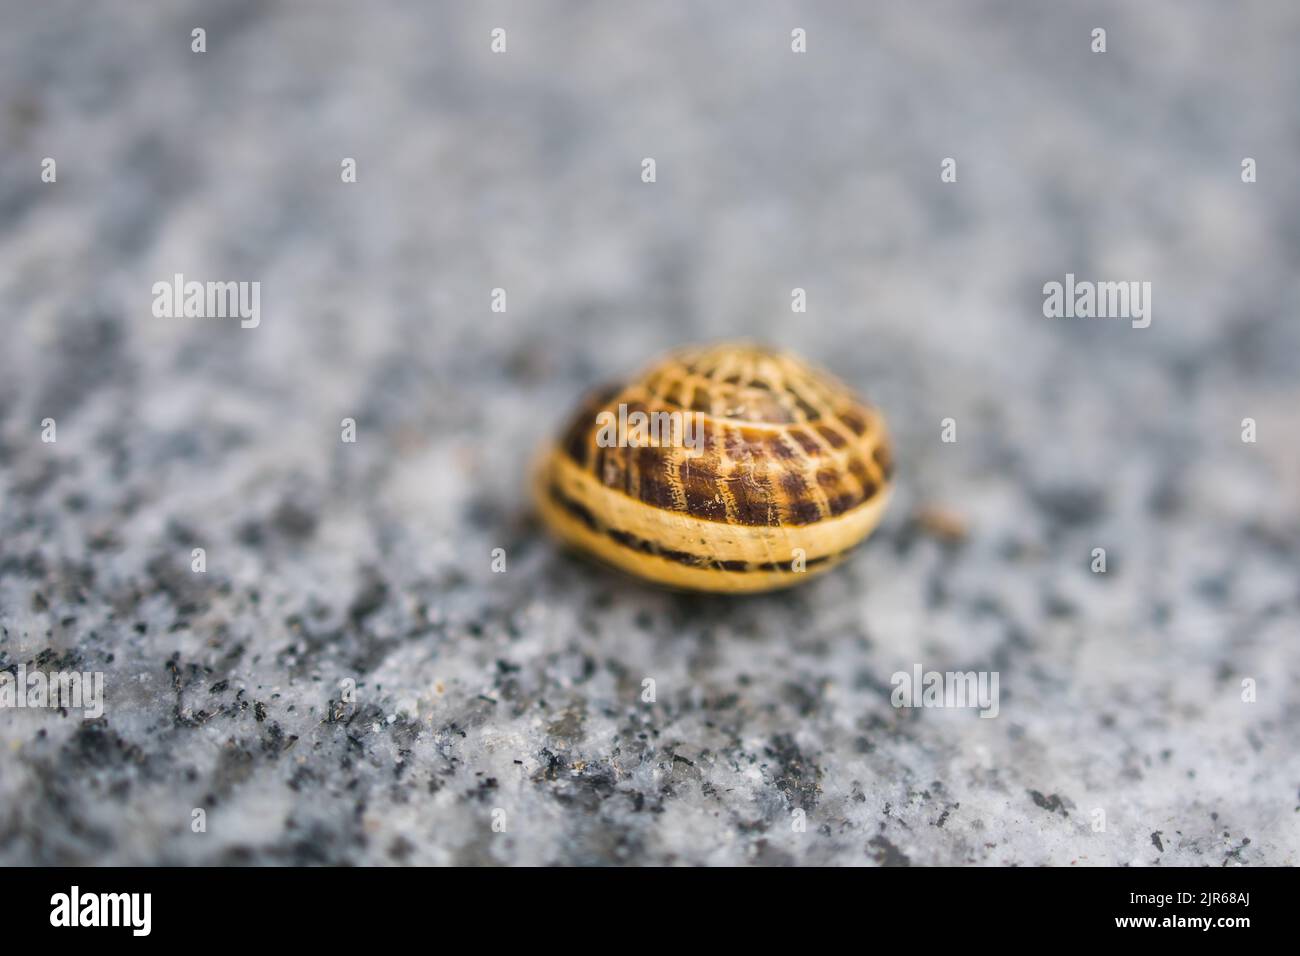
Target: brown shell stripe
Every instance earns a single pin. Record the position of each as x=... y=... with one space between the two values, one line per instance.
x=644 y=546
x=762 y=475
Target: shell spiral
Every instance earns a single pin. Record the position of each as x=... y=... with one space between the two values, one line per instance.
x=719 y=468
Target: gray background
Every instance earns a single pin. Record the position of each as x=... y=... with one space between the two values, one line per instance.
x=521 y=691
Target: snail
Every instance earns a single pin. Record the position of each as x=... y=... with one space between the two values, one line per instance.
x=729 y=468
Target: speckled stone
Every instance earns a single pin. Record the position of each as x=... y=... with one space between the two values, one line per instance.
x=499 y=718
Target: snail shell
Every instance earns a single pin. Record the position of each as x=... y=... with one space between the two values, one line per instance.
x=746 y=470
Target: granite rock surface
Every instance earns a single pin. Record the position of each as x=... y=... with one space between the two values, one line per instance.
x=349 y=681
